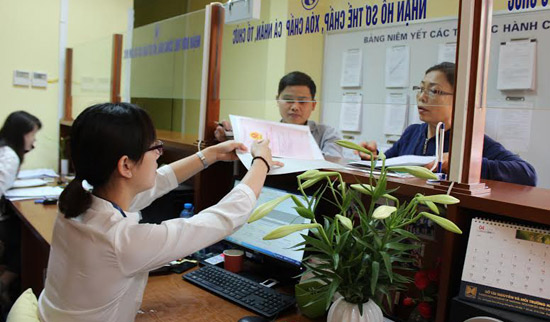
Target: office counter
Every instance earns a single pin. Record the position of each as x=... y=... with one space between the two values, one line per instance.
x=167 y=297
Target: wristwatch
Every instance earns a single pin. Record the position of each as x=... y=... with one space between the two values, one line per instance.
x=203 y=159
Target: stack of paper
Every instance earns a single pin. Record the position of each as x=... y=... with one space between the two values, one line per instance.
x=36 y=173
x=404 y=160
x=29 y=183
x=33 y=193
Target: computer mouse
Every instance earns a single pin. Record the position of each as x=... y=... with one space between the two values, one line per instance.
x=254 y=318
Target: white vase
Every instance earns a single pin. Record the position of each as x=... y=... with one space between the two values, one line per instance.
x=343 y=311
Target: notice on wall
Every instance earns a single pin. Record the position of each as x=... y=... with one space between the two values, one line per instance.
x=352 y=69
x=350 y=112
x=516 y=65
x=397 y=66
x=509 y=123
x=446 y=53
x=396 y=113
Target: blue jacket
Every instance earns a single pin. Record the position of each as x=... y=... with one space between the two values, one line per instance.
x=498 y=163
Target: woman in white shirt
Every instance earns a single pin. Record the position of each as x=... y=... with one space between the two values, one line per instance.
x=100 y=255
x=17 y=137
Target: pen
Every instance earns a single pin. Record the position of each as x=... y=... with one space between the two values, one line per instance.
x=441 y=143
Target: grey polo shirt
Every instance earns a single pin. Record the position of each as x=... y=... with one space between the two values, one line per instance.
x=326 y=137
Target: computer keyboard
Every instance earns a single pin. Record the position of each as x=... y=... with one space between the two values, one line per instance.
x=240 y=290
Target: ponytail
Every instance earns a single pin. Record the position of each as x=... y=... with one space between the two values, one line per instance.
x=74 y=200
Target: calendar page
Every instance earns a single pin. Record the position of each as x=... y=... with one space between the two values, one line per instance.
x=508 y=266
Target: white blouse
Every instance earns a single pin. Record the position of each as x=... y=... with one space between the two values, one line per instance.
x=99 y=261
x=9 y=164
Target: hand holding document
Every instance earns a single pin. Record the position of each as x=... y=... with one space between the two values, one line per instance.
x=291 y=144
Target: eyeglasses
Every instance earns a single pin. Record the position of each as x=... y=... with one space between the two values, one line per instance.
x=291 y=100
x=430 y=92
x=157 y=145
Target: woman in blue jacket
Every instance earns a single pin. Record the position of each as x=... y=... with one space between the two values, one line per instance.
x=435 y=97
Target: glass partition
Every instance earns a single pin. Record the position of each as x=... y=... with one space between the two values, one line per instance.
x=364 y=57
x=518 y=97
x=163 y=64
x=91 y=77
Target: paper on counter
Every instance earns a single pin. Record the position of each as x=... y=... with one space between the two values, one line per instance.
x=36 y=173
x=29 y=183
x=404 y=160
x=285 y=140
x=33 y=193
x=292 y=165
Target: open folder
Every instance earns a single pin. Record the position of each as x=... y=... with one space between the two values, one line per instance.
x=404 y=160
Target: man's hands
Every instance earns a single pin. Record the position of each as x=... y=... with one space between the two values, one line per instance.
x=371 y=146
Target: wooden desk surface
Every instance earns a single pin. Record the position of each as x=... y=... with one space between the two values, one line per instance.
x=167 y=297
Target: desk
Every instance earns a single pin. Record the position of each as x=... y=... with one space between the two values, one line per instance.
x=167 y=297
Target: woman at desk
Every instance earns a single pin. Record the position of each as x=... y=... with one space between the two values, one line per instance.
x=17 y=137
x=435 y=98
x=100 y=255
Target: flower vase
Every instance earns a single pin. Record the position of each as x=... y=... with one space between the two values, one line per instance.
x=341 y=310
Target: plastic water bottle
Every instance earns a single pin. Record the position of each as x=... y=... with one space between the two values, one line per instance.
x=187 y=211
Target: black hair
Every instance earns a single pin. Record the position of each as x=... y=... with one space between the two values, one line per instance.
x=16 y=126
x=447 y=68
x=100 y=136
x=297 y=79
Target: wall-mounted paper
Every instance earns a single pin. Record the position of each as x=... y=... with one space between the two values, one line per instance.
x=352 y=69
x=396 y=113
x=446 y=52
x=397 y=66
x=350 y=112
x=516 y=65
x=509 y=123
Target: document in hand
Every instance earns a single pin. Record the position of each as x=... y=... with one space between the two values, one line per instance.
x=285 y=140
x=291 y=144
x=404 y=160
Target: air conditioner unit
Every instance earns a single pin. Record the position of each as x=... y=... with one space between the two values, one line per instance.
x=237 y=11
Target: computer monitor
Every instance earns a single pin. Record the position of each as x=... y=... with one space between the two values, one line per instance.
x=250 y=236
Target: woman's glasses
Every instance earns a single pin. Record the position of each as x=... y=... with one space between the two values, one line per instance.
x=157 y=145
x=430 y=92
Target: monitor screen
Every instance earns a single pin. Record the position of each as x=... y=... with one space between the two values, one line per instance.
x=250 y=235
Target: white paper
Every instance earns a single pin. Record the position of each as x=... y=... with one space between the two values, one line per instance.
x=396 y=113
x=285 y=140
x=34 y=193
x=509 y=123
x=352 y=69
x=292 y=165
x=403 y=160
x=397 y=66
x=28 y=183
x=36 y=173
x=350 y=112
x=446 y=53
x=516 y=65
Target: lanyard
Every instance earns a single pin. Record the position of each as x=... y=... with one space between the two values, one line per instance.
x=118 y=208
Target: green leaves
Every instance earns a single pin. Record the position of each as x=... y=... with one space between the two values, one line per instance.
x=443 y=222
x=441 y=199
x=345 y=221
x=353 y=146
x=383 y=212
x=262 y=210
x=419 y=172
x=287 y=230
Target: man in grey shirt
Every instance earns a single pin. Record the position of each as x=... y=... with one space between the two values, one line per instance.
x=296 y=101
